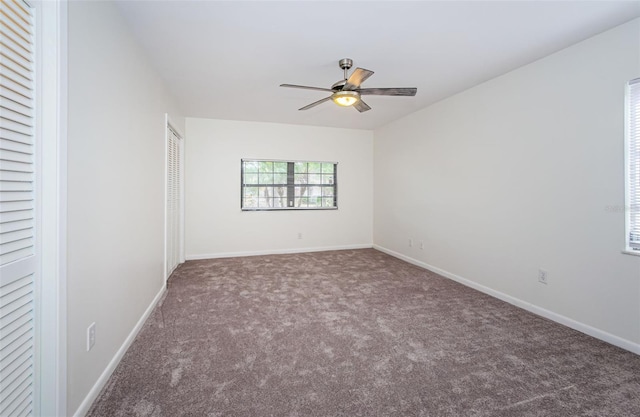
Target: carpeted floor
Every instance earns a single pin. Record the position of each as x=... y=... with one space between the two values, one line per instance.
x=356 y=333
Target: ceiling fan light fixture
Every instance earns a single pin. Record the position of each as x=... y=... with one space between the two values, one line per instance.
x=345 y=98
x=346 y=92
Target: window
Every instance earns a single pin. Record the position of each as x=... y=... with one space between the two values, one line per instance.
x=633 y=165
x=289 y=185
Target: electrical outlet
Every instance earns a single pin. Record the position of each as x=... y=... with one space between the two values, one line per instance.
x=410 y=242
x=542 y=276
x=91 y=336
x=299 y=235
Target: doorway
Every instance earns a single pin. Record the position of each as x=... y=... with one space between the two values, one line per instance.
x=174 y=207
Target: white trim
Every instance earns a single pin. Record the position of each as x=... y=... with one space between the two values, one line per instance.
x=627 y=161
x=181 y=142
x=52 y=32
x=275 y=252
x=631 y=252
x=166 y=195
x=113 y=364
x=61 y=386
x=558 y=318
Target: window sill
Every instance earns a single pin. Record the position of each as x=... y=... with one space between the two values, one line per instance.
x=631 y=252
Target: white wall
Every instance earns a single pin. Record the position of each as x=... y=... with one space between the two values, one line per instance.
x=523 y=172
x=215 y=225
x=116 y=157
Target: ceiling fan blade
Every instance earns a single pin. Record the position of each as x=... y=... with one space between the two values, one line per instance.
x=388 y=91
x=315 y=103
x=306 y=87
x=361 y=106
x=357 y=77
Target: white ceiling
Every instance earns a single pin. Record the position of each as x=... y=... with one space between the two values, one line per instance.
x=226 y=59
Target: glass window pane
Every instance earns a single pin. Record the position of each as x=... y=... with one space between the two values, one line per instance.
x=280 y=191
x=266 y=166
x=327 y=202
x=280 y=167
x=302 y=202
x=315 y=167
x=301 y=179
x=327 y=178
x=315 y=201
x=250 y=178
x=300 y=167
x=300 y=191
x=315 y=179
x=315 y=191
x=250 y=166
x=280 y=178
x=250 y=203
x=250 y=192
x=327 y=168
x=266 y=192
x=327 y=191
x=280 y=202
x=266 y=178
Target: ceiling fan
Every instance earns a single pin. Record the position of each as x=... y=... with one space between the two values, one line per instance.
x=347 y=92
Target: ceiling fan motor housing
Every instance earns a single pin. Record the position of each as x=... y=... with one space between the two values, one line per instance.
x=345 y=63
x=338 y=86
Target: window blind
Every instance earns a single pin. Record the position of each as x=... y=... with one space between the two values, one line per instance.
x=633 y=157
x=17 y=221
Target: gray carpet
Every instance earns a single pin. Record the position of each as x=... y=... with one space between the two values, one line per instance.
x=356 y=333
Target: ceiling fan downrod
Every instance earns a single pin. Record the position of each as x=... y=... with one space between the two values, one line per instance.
x=345 y=64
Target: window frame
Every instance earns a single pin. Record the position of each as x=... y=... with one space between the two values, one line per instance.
x=290 y=185
x=632 y=165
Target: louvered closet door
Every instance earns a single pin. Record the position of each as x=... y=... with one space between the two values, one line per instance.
x=174 y=195
x=17 y=221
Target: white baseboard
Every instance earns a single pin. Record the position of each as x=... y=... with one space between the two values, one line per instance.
x=558 y=318
x=275 y=252
x=86 y=404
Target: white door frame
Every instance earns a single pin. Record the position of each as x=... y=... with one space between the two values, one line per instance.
x=51 y=203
